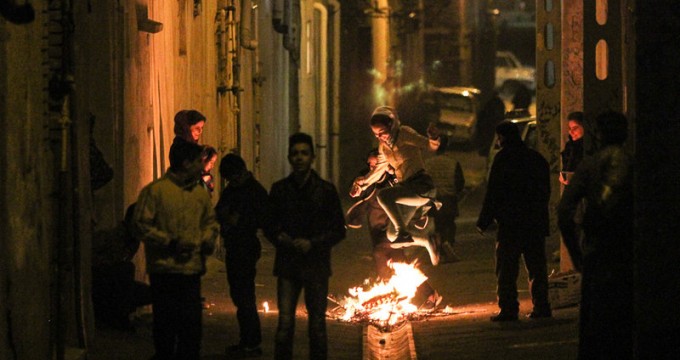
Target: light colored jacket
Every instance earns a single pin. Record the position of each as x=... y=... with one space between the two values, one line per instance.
x=171 y=209
x=404 y=155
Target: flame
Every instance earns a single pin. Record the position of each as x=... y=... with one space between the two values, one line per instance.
x=386 y=302
x=265 y=306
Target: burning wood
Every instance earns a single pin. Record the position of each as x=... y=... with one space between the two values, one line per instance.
x=384 y=304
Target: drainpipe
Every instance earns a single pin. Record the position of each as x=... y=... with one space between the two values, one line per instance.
x=380 y=31
x=291 y=42
x=322 y=142
x=65 y=230
x=335 y=97
x=248 y=25
x=277 y=17
x=249 y=40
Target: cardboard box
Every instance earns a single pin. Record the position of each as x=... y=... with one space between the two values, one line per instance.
x=564 y=289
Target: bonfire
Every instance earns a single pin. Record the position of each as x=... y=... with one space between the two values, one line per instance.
x=384 y=304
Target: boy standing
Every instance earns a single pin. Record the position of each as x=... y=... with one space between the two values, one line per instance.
x=307 y=221
x=241 y=210
x=175 y=220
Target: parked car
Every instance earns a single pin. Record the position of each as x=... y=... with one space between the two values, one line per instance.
x=510 y=73
x=527 y=130
x=457 y=109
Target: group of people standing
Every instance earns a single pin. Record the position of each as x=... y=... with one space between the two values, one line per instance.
x=595 y=218
x=303 y=218
x=174 y=218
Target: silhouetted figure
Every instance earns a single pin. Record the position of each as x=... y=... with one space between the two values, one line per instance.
x=115 y=293
x=520 y=103
x=605 y=256
x=176 y=221
x=307 y=221
x=241 y=211
x=101 y=172
x=517 y=198
x=449 y=180
x=490 y=116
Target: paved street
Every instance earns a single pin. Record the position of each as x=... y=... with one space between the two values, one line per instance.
x=467 y=286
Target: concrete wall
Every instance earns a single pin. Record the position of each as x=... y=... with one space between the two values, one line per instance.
x=27 y=192
x=132 y=80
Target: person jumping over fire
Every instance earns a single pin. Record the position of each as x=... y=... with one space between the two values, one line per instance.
x=401 y=150
x=368 y=209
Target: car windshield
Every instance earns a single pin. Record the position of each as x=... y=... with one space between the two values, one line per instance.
x=454 y=102
x=502 y=62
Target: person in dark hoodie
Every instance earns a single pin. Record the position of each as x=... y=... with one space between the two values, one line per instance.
x=401 y=149
x=175 y=220
x=517 y=197
x=241 y=211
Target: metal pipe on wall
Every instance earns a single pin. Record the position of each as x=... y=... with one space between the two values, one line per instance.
x=380 y=31
x=249 y=40
x=322 y=141
x=335 y=96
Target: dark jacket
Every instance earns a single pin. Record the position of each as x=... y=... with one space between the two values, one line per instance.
x=606 y=182
x=312 y=211
x=572 y=154
x=247 y=205
x=518 y=191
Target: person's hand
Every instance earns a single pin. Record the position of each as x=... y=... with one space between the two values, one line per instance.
x=563 y=181
x=356 y=186
x=302 y=244
x=433 y=131
x=355 y=191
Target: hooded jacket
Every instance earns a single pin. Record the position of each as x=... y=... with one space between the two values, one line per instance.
x=184 y=119
x=403 y=153
x=518 y=191
x=175 y=209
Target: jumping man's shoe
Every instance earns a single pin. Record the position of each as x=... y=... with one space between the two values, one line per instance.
x=421 y=223
x=432 y=302
x=433 y=248
x=403 y=239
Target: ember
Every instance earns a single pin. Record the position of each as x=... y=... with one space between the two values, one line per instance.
x=384 y=304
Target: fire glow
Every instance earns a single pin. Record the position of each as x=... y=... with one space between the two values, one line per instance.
x=386 y=303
